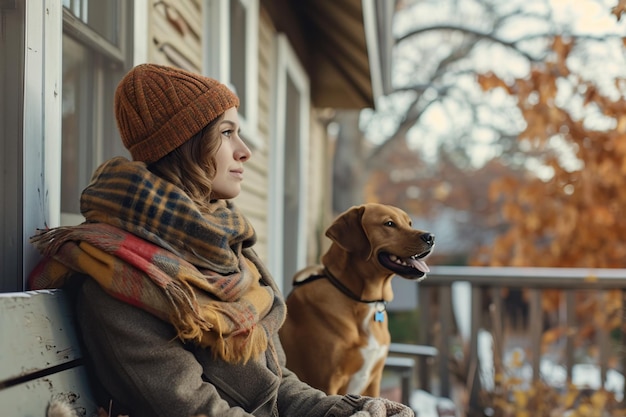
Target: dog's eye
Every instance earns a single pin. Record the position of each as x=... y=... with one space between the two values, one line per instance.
x=389 y=223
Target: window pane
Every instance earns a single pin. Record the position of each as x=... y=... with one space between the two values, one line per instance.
x=238 y=28
x=101 y=15
x=77 y=153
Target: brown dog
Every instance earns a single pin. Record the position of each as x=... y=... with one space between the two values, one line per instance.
x=336 y=336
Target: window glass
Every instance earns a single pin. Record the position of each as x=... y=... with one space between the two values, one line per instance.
x=100 y=15
x=77 y=153
x=92 y=67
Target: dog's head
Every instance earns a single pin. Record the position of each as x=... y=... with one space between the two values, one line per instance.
x=383 y=234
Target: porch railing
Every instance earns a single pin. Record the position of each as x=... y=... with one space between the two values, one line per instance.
x=486 y=310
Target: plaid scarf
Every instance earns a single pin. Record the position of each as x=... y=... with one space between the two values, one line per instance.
x=146 y=243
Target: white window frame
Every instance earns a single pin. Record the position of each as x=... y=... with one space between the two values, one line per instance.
x=81 y=32
x=216 y=57
x=41 y=139
x=287 y=65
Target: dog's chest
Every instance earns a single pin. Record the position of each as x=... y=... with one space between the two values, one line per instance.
x=372 y=352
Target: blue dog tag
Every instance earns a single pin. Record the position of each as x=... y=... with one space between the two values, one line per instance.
x=379 y=316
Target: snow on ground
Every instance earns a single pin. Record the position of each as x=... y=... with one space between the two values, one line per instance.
x=427 y=405
x=584 y=375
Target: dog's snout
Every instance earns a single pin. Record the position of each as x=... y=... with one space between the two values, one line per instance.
x=429 y=238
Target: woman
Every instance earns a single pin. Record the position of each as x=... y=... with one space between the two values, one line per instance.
x=178 y=314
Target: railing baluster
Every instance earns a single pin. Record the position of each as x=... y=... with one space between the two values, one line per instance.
x=623 y=344
x=473 y=371
x=445 y=308
x=570 y=329
x=424 y=295
x=602 y=339
x=536 y=329
x=496 y=310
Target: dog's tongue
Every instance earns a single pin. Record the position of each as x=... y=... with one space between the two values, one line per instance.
x=419 y=264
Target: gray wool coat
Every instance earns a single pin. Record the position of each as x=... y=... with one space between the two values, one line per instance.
x=147 y=372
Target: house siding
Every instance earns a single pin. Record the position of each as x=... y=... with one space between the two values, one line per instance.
x=175 y=34
x=254 y=199
x=175 y=40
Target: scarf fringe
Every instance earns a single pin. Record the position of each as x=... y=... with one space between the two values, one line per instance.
x=238 y=347
x=185 y=316
x=49 y=241
x=241 y=347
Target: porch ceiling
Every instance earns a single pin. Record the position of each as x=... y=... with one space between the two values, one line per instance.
x=344 y=46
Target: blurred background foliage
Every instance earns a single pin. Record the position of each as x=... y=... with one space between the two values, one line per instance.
x=504 y=133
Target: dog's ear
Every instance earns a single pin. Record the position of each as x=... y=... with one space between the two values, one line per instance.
x=347 y=231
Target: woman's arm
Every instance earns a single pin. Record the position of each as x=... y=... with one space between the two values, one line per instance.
x=141 y=363
x=296 y=398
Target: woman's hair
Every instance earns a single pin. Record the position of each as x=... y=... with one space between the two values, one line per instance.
x=191 y=166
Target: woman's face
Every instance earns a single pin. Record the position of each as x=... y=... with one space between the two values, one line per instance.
x=230 y=157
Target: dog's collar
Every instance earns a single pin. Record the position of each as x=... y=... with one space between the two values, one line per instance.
x=381 y=305
x=339 y=285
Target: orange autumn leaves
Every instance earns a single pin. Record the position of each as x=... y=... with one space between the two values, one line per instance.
x=574 y=217
x=619 y=9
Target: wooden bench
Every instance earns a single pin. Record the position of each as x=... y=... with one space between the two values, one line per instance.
x=40 y=355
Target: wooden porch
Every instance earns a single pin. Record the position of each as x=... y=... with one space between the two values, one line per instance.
x=534 y=324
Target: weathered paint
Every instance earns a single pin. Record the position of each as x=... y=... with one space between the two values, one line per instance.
x=30 y=399
x=36 y=332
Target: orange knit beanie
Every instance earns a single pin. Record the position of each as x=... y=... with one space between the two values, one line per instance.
x=159 y=108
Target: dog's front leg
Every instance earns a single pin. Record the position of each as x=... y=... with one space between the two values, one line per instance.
x=373 y=388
